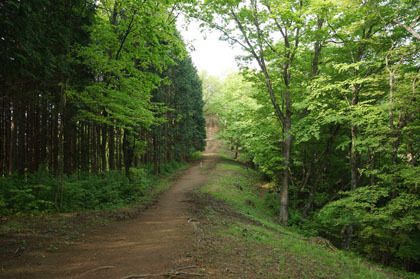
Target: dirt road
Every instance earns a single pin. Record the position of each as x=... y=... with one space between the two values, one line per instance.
x=157 y=241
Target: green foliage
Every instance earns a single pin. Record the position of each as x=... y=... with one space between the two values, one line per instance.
x=315 y=256
x=18 y=196
x=378 y=219
x=84 y=192
x=89 y=87
x=337 y=86
x=186 y=85
x=353 y=79
x=126 y=56
x=271 y=200
x=173 y=166
x=297 y=222
x=211 y=93
x=196 y=155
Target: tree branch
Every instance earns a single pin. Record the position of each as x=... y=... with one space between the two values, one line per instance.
x=409 y=28
x=261 y=63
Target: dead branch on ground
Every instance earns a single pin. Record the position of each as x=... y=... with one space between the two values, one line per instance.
x=101 y=267
x=170 y=274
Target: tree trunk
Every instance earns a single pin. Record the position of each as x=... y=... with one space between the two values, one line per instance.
x=21 y=139
x=287 y=150
x=58 y=199
x=9 y=127
x=29 y=127
x=84 y=147
x=111 y=147
x=67 y=142
x=37 y=135
x=12 y=146
x=2 y=138
x=94 y=151
x=119 y=149
x=44 y=132
x=98 y=146
x=155 y=155
x=54 y=141
x=128 y=152
x=89 y=148
x=159 y=151
x=353 y=159
x=104 y=139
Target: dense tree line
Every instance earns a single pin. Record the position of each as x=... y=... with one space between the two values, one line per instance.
x=94 y=86
x=330 y=113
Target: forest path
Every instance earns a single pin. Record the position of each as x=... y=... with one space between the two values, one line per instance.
x=157 y=241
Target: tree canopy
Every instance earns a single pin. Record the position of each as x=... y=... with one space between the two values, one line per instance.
x=330 y=115
x=92 y=86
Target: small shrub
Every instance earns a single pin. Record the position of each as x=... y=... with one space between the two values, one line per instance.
x=17 y=195
x=81 y=191
x=272 y=201
x=302 y=225
x=196 y=155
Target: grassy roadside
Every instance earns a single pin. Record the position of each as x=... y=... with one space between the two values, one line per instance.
x=238 y=236
x=49 y=232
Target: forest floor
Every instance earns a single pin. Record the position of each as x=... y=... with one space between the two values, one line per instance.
x=210 y=223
